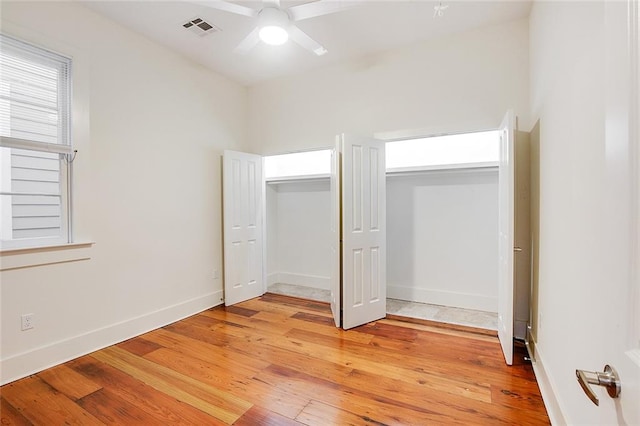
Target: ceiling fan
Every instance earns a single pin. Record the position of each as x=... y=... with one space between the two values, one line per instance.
x=275 y=25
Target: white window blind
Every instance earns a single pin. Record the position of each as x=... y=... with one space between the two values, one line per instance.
x=34 y=137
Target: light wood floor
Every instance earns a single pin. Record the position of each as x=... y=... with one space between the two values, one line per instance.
x=278 y=360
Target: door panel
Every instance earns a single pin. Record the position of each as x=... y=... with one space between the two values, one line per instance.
x=334 y=228
x=364 y=231
x=243 y=233
x=506 y=187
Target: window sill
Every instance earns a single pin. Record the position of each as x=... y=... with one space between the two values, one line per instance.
x=20 y=258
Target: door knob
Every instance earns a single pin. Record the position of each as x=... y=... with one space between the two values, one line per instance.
x=517 y=249
x=609 y=379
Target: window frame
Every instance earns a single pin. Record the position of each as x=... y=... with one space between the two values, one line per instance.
x=64 y=149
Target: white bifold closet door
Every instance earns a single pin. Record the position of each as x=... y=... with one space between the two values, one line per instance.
x=506 y=221
x=364 y=283
x=242 y=186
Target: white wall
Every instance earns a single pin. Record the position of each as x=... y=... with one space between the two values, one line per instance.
x=150 y=128
x=442 y=238
x=298 y=233
x=584 y=226
x=460 y=83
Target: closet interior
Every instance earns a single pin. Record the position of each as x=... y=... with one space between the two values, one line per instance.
x=442 y=227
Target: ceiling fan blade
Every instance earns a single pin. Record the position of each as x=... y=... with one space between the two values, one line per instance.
x=300 y=37
x=227 y=7
x=321 y=7
x=249 y=42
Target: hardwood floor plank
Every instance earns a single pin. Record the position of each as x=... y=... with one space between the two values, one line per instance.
x=111 y=410
x=234 y=381
x=388 y=331
x=139 y=346
x=357 y=357
x=238 y=310
x=188 y=344
x=263 y=417
x=280 y=299
x=368 y=401
x=43 y=405
x=161 y=406
x=280 y=360
x=67 y=381
x=317 y=413
x=301 y=323
x=10 y=416
x=218 y=404
x=289 y=305
x=318 y=319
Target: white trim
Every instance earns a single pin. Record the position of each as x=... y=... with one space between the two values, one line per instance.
x=9 y=142
x=477 y=302
x=421 y=133
x=547 y=388
x=634 y=146
x=30 y=362
x=39 y=256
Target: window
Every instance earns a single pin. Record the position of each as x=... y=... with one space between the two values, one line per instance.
x=468 y=149
x=35 y=145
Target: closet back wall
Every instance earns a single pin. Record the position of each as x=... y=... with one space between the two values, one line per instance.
x=298 y=233
x=443 y=238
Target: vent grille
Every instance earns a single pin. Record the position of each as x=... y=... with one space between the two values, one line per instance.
x=200 y=27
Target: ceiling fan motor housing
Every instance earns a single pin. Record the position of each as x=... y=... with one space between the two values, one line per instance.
x=273 y=17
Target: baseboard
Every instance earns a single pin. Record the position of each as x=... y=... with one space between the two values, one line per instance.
x=304 y=280
x=38 y=359
x=444 y=298
x=273 y=278
x=547 y=388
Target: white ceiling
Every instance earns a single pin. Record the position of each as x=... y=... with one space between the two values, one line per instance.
x=373 y=26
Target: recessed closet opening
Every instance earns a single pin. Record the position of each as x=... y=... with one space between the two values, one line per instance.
x=298 y=258
x=442 y=227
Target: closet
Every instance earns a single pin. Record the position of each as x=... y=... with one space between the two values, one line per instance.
x=442 y=220
x=439 y=233
x=298 y=220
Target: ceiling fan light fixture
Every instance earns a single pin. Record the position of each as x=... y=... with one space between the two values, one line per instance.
x=273 y=26
x=273 y=35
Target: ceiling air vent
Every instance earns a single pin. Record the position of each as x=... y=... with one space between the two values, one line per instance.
x=200 y=27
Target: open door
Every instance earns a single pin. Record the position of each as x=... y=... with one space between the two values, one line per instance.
x=242 y=188
x=336 y=296
x=364 y=277
x=506 y=187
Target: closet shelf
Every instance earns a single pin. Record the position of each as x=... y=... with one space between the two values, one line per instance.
x=465 y=167
x=297 y=178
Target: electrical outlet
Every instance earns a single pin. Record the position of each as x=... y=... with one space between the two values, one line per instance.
x=216 y=274
x=27 y=321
